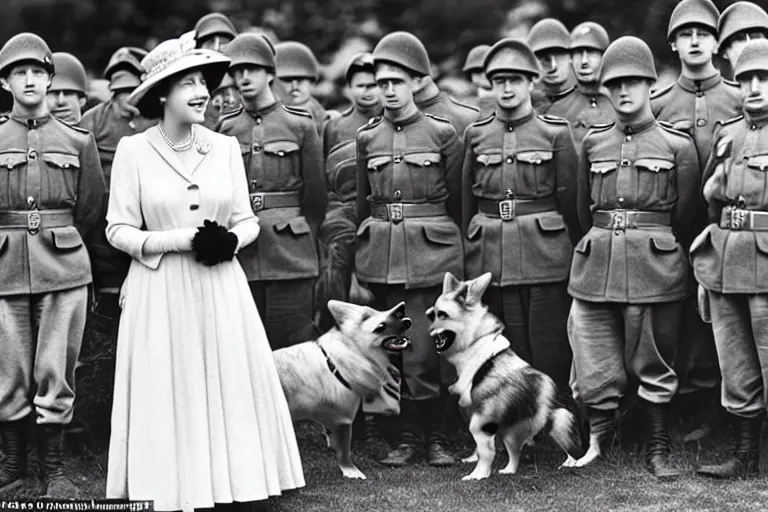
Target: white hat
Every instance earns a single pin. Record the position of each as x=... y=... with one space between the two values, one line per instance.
x=175 y=56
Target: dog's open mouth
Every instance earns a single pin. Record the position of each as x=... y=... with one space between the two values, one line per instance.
x=443 y=340
x=396 y=343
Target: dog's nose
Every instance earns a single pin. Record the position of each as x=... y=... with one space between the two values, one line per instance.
x=406 y=323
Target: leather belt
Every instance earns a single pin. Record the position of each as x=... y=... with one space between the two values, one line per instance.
x=620 y=220
x=508 y=209
x=35 y=220
x=267 y=200
x=737 y=219
x=395 y=212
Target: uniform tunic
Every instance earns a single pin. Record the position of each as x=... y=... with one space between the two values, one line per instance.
x=583 y=109
x=523 y=162
x=629 y=274
x=344 y=128
x=442 y=105
x=51 y=197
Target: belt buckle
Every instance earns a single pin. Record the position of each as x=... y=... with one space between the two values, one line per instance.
x=507 y=209
x=257 y=202
x=395 y=211
x=737 y=219
x=33 y=222
x=618 y=220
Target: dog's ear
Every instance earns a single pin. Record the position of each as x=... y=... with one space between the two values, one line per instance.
x=450 y=283
x=462 y=294
x=343 y=311
x=478 y=286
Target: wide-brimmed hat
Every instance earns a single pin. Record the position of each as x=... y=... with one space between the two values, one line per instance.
x=176 y=56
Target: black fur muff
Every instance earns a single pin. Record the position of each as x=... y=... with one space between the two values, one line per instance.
x=213 y=243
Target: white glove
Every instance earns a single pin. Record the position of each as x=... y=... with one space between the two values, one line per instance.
x=173 y=240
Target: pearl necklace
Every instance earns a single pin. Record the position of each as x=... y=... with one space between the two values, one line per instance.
x=183 y=145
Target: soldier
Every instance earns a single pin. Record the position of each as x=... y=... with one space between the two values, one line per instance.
x=298 y=71
x=638 y=196
x=214 y=31
x=408 y=211
x=739 y=23
x=694 y=103
x=54 y=194
x=591 y=107
x=284 y=164
x=551 y=43
x=730 y=260
x=519 y=194
x=473 y=70
x=67 y=93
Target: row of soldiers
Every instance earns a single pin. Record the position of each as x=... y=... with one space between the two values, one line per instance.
x=570 y=181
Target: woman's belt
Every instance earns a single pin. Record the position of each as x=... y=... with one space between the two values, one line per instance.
x=395 y=212
x=630 y=219
x=738 y=219
x=508 y=209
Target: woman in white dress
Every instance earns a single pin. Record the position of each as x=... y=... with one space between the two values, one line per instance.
x=199 y=417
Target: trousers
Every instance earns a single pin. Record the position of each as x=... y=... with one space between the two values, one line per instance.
x=696 y=364
x=286 y=309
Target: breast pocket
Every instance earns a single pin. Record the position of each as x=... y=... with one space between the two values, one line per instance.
x=62 y=173
x=380 y=175
x=488 y=172
x=281 y=163
x=654 y=181
x=426 y=174
x=756 y=179
x=10 y=177
x=603 y=183
x=535 y=173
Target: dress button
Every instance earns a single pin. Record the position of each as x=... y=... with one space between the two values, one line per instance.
x=701 y=122
x=193 y=187
x=194 y=207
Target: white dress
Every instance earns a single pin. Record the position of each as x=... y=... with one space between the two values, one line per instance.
x=199 y=416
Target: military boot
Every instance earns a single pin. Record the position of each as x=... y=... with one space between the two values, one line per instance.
x=409 y=436
x=745 y=458
x=657 y=448
x=438 y=452
x=13 y=466
x=56 y=483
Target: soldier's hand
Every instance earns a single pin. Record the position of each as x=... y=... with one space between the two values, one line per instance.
x=359 y=294
x=714 y=188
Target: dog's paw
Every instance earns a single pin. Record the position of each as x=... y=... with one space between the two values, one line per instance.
x=569 y=463
x=507 y=471
x=353 y=472
x=589 y=457
x=472 y=458
x=476 y=475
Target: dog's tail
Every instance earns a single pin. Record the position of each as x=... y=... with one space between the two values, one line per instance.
x=566 y=431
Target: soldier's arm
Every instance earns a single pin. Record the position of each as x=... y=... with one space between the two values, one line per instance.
x=565 y=178
x=363 y=186
x=583 y=193
x=91 y=189
x=315 y=198
x=714 y=204
x=689 y=203
x=454 y=156
x=468 y=200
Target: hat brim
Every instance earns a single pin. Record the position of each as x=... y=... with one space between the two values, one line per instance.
x=213 y=66
x=60 y=83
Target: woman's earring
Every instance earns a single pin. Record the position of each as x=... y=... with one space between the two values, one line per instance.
x=162 y=101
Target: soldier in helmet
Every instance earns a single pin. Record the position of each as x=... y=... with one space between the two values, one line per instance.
x=519 y=212
x=637 y=199
x=298 y=71
x=54 y=197
x=214 y=31
x=408 y=196
x=590 y=107
x=224 y=99
x=473 y=69
x=551 y=43
x=694 y=104
x=284 y=164
x=740 y=23
x=730 y=260
x=67 y=93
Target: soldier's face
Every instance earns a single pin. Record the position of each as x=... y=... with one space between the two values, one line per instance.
x=363 y=90
x=738 y=41
x=556 y=64
x=66 y=105
x=251 y=80
x=754 y=90
x=480 y=81
x=225 y=99
x=629 y=96
x=187 y=99
x=396 y=86
x=28 y=83
x=297 y=90
x=586 y=64
x=512 y=89
x=695 y=46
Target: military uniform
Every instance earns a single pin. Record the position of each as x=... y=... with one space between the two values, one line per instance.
x=344 y=127
x=549 y=35
x=296 y=60
x=458 y=113
x=739 y=23
x=637 y=199
x=730 y=261
x=53 y=192
x=70 y=78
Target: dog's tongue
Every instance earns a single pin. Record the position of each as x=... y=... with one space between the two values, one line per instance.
x=401 y=343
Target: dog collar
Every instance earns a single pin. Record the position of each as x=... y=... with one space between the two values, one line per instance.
x=334 y=370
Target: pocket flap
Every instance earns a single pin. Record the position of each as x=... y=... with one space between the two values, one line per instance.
x=684 y=125
x=62 y=160
x=758 y=162
x=490 y=158
x=377 y=161
x=66 y=238
x=443 y=234
x=245 y=148
x=761 y=241
x=534 y=157
x=664 y=244
x=474 y=230
x=584 y=246
x=422 y=159
x=280 y=147
x=551 y=223
x=297 y=225
x=11 y=160
x=603 y=167
x=342 y=152
x=654 y=164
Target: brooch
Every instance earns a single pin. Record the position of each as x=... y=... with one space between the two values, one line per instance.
x=203 y=147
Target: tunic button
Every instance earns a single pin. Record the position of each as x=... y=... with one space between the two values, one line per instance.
x=131 y=125
x=621 y=199
x=281 y=153
x=701 y=122
x=397 y=159
x=258 y=120
x=510 y=128
x=625 y=163
x=754 y=127
x=629 y=137
x=398 y=194
x=257 y=147
x=509 y=159
x=398 y=128
x=427 y=163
